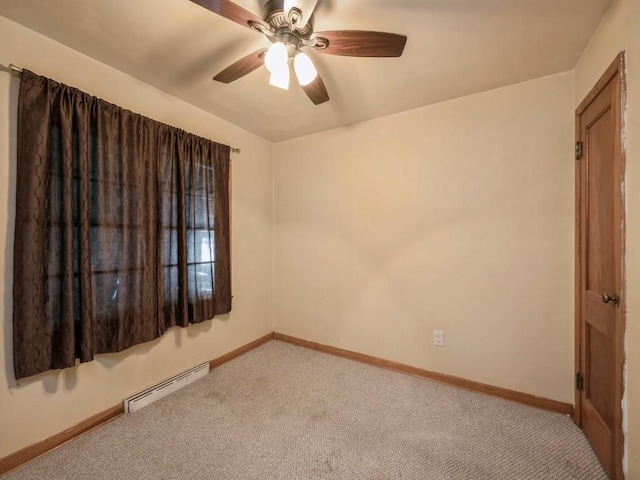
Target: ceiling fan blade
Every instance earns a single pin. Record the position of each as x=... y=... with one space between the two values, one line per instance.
x=316 y=91
x=309 y=8
x=361 y=43
x=231 y=11
x=242 y=67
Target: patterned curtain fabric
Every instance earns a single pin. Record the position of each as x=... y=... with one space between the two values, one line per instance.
x=122 y=228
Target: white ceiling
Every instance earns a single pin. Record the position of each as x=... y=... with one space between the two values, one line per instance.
x=454 y=48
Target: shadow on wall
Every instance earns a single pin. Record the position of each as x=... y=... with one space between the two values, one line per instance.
x=53 y=380
x=9 y=200
x=208 y=65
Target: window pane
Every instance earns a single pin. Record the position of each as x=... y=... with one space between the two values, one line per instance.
x=169 y=209
x=106 y=294
x=112 y=249
x=116 y=292
x=108 y=203
x=168 y=175
x=200 y=280
x=203 y=181
x=169 y=249
x=171 y=284
x=201 y=212
x=200 y=246
x=111 y=167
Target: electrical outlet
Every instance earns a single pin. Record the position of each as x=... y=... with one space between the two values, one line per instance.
x=438 y=338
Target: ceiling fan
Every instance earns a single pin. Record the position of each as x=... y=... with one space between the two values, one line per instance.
x=289 y=24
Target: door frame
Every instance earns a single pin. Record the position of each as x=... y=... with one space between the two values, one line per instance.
x=617 y=67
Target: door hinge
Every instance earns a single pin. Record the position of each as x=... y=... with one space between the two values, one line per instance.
x=579 y=381
x=578 y=150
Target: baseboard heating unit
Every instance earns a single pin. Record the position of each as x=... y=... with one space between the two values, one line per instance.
x=164 y=388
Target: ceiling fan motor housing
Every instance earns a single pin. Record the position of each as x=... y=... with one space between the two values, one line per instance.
x=291 y=40
x=273 y=14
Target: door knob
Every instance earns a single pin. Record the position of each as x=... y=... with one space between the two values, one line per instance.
x=610 y=298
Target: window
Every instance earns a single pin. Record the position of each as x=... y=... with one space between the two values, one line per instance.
x=128 y=216
x=200 y=234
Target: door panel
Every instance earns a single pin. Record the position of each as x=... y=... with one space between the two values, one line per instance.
x=599 y=316
x=600 y=239
x=600 y=378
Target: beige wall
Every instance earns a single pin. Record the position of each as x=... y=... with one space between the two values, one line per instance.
x=618 y=31
x=49 y=403
x=457 y=217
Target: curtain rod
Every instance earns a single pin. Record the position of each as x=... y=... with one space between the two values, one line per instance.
x=15 y=68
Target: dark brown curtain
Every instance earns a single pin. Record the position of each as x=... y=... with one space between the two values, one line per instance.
x=122 y=228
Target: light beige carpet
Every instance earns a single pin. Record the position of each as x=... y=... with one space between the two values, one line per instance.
x=283 y=412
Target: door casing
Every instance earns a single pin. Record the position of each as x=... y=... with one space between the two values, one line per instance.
x=617 y=67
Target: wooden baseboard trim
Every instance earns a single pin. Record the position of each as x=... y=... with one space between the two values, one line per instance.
x=31 y=452
x=240 y=351
x=525 y=398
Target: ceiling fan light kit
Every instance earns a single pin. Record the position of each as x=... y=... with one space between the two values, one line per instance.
x=276 y=57
x=280 y=77
x=305 y=69
x=289 y=25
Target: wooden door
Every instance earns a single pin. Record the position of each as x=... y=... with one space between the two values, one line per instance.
x=600 y=268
